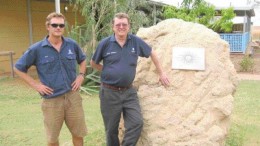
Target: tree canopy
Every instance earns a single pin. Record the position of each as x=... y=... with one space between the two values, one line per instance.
x=199 y=11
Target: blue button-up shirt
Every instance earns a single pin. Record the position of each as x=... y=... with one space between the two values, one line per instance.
x=119 y=63
x=56 y=70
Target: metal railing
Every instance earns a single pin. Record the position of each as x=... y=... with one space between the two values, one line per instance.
x=10 y=54
x=237 y=41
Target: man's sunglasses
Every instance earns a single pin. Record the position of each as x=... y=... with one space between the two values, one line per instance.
x=54 y=25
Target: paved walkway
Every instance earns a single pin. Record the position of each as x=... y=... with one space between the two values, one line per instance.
x=248 y=76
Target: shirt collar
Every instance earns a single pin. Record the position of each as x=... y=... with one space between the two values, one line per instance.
x=113 y=38
x=47 y=43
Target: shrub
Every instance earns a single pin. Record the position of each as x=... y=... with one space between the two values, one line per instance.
x=247 y=64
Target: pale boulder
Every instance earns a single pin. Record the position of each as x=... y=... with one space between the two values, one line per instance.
x=195 y=109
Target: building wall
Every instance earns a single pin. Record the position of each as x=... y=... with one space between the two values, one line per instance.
x=256 y=33
x=13 y=29
x=14 y=26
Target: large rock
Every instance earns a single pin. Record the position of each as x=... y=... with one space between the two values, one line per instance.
x=196 y=107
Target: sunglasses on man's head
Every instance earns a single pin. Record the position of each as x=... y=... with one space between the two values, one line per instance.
x=54 y=25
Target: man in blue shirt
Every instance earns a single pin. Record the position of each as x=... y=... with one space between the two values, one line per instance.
x=56 y=59
x=119 y=53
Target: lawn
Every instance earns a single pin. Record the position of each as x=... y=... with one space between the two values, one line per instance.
x=21 y=121
x=245 y=127
x=21 y=118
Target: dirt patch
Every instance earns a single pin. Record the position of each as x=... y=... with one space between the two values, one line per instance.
x=236 y=58
x=248 y=76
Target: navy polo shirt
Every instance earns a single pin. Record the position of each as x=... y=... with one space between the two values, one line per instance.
x=119 y=64
x=56 y=70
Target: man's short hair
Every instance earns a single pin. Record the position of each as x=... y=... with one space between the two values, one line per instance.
x=53 y=15
x=120 y=16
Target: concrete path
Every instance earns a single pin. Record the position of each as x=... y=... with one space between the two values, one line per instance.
x=248 y=76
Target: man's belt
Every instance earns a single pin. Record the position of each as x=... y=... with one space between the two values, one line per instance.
x=115 y=87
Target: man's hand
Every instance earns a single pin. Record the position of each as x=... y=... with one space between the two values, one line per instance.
x=164 y=80
x=42 y=89
x=77 y=83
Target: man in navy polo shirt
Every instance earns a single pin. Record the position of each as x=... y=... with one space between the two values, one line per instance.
x=119 y=53
x=56 y=59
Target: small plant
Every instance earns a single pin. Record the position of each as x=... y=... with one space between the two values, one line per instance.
x=247 y=64
x=92 y=82
x=236 y=136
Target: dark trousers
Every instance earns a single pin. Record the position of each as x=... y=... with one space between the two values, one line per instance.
x=113 y=103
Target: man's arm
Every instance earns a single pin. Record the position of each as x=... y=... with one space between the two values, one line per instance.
x=42 y=89
x=98 y=67
x=162 y=76
x=80 y=78
x=82 y=67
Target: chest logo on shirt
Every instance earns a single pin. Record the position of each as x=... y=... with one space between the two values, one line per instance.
x=133 y=50
x=70 y=52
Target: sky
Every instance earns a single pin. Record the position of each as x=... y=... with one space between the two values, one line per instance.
x=227 y=3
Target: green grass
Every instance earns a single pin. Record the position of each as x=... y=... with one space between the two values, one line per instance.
x=245 y=126
x=21 y=121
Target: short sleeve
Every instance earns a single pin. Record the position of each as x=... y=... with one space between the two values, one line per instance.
x=81 y=56
x=26 y=61
x=145 y=49
x=97 y=56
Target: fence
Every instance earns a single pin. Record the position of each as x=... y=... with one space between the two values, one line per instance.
x=237 y=41
x=10 y=54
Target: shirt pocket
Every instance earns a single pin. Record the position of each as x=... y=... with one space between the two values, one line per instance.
x=48 y=65
x=70 y=62
x=133 y=59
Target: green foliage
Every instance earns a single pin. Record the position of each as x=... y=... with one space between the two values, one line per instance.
x=92 y=82
x=224 y=23
x=99 y=14
x=247 y=64
x=199 y=11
